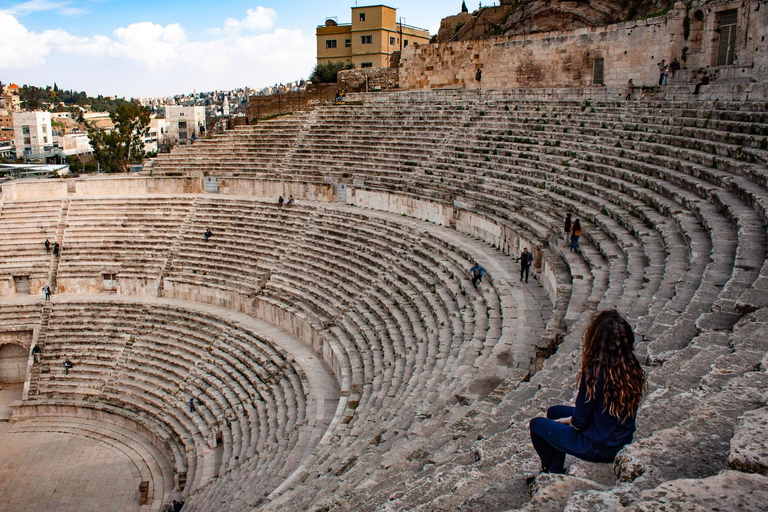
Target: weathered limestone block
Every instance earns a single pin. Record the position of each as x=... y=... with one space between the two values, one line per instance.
x=714 y=493
x=450 y=26
x=355 y=80
x=552 y=492
x=749 y=445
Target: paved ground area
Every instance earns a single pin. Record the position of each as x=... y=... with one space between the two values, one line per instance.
x=9 y=393
x=63 y=472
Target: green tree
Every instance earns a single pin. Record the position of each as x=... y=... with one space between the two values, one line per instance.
x=327 y=72
x=122 y=146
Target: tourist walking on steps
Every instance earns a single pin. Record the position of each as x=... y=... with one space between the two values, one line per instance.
x=280 y=202
x=611 y=385
x=575 y=235
x=47 y=292
x=56 y=249
x=47 y=245
x=477 y=272
x=526 y=258
x=630 y=90
x=663 y=72
x=37 y=353
x=567 y=230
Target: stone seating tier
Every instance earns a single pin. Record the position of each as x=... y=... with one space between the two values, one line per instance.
x=674 y=214
x=151 y=360
x=673 y=205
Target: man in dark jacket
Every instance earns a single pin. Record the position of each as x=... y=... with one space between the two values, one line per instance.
x=526 y=258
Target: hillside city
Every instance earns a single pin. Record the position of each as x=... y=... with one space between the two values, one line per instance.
x=45 y=130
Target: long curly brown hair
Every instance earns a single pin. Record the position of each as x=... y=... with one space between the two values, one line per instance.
x=609 y=351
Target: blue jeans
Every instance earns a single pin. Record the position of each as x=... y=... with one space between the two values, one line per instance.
x=553 y=440
x=574 y=243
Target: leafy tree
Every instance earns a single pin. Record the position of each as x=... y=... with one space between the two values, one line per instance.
x=116 y=150
x=82 y=163
x=327 y=72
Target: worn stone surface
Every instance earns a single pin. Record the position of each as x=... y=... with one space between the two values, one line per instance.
x=512 y=493
x=564 y=54
x=552 y=492
x=371 y=79
x=749 y=445
x=730 y=490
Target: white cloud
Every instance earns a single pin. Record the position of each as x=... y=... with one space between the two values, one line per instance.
x=148 y=43
x=33 y=6
x=147 y=59
x=22 y=48
x=261 y=18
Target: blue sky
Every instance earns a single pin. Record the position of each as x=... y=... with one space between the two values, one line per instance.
x=146 y=48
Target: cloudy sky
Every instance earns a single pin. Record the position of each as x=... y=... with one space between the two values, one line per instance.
x=145 y=48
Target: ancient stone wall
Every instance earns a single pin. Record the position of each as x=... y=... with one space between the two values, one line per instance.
x=101 y=186
x=357 y=80
x=260 y=107
x=690 y=32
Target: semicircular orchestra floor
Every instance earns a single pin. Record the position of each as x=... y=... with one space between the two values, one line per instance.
x=51 y=465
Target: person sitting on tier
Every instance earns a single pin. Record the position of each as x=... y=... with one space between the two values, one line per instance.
x=611 y=386
x=291 y=201
x=208 y=234
x=703 y=81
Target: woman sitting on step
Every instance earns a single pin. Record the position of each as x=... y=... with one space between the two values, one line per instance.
x=611 y=386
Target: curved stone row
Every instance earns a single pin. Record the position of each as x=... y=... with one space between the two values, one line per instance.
x=724 y=223
x=414 y=343
x=387 y=301
x=129 y=237
x=672 y=197
x=146 y=362
x=244 y=147
x=26 y=224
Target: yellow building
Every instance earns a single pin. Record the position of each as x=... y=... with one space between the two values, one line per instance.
x=369 y=40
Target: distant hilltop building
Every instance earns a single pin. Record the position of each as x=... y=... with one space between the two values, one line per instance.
x=367 y=42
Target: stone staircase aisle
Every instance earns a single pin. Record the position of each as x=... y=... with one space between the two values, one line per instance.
x=175 y=247
x=55 y=258
x=34 y=369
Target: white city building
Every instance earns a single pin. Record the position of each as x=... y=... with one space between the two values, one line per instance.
x=159 y=132
x=33 y=135
x=185 y=121
x=73 y=144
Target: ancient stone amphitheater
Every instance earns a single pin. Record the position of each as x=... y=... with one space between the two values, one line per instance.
x=336 y=352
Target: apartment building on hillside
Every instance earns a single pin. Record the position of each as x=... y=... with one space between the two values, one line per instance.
x=374 y=34
x=34 y=137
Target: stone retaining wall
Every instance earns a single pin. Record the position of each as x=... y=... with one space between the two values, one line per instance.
x=567 y=58
x=354 y=80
